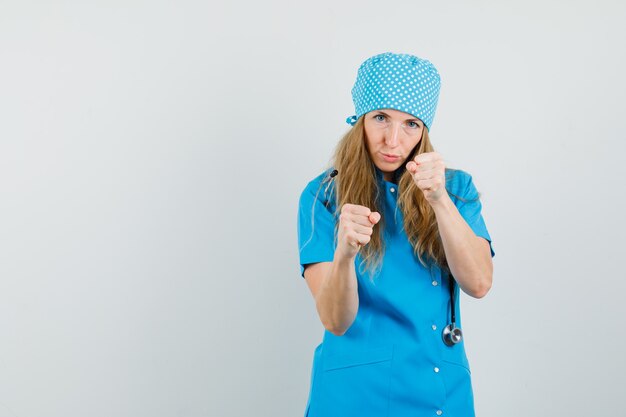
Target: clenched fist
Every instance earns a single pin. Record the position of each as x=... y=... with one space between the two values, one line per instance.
x=429 y=174
x=356 y=224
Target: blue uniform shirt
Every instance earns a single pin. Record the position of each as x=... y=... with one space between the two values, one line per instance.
x=392 y=361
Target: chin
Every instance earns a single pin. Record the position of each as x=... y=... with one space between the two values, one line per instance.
x=389 y=167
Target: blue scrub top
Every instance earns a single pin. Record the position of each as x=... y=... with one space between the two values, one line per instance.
x=392 y=361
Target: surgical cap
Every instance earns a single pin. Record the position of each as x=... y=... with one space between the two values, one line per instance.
x=396 y=81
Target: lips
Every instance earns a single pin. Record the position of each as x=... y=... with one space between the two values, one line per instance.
x=390 y=158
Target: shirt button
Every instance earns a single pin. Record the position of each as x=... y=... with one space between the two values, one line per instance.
x=436 y=369
x=435 y=283
x=439 y=412
x=392 y=189
x=434 y=327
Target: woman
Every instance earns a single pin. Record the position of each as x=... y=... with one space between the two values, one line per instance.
x=385 y=236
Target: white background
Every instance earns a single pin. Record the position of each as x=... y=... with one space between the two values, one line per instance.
x=151 y=158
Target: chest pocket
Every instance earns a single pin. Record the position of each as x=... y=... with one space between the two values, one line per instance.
x=355 y=384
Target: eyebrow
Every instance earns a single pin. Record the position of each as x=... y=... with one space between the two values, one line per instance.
x=408 y=120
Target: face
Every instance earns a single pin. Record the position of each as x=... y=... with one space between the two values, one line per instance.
x=391 y=135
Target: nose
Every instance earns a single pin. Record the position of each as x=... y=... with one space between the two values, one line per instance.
x=392 y=135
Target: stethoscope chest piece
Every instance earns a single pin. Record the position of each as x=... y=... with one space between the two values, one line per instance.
x=452 y=335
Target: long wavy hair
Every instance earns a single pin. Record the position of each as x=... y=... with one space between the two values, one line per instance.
x=356 y=184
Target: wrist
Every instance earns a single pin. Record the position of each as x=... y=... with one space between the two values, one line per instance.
x=443 y=203
x=342 y=259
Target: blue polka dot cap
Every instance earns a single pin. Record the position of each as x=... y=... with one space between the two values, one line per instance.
x=396 y=81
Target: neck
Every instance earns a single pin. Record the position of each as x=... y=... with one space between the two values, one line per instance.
x=390 y=176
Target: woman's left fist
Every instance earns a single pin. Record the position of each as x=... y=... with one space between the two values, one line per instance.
x=429 y=174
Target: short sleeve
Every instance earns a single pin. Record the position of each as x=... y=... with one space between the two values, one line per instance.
x=316 y=225
x=470 y=209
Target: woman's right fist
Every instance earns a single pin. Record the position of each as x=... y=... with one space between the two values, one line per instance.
x=356 y=224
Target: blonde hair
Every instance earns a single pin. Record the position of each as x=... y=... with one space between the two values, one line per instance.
x=356 y=184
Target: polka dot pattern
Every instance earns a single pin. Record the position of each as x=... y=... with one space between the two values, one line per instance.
x=396 y=81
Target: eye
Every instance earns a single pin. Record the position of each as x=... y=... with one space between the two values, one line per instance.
x=413 y=125
x=382 y=118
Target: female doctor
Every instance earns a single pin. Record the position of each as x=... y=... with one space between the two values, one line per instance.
x=387 y=236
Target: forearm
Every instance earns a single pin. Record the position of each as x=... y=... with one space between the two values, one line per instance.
x=467 y=254
x=338 y=300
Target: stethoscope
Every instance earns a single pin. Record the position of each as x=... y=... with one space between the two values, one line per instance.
x=451 y=334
